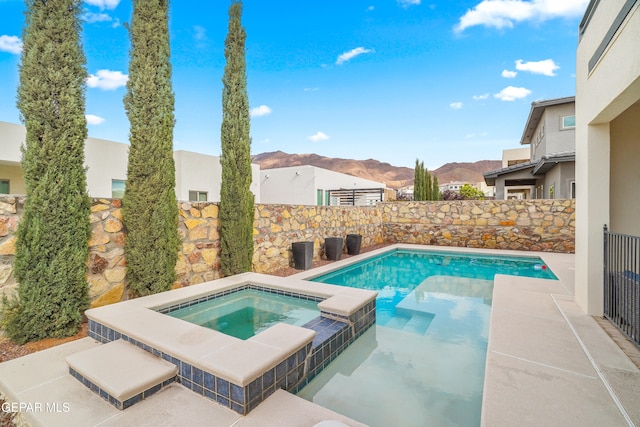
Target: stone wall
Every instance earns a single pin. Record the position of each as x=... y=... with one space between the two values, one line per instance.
x=277 y=226
x=528 y=225
x=536 y=225
x=10 y=213
x=198 y=260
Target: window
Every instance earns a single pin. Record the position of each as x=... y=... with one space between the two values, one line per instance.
x=4 y=186
x=568 y=122
x=540 y=135
x=319 y=197
x=117 y=188
x=573 y=189
x=197 y=196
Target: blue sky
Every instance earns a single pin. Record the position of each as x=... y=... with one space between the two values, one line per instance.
x=392 y=80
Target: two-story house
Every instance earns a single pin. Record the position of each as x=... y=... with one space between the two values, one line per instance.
x=550 y=171
x=607 y=145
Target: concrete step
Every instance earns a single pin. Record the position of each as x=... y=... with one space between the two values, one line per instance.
x=121 y=373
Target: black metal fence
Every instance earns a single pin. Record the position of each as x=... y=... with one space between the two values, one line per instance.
x=622 y=282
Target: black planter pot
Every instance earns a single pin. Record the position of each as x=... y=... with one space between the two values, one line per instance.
x=302 y=255
x=354 y=241
x=333 y=248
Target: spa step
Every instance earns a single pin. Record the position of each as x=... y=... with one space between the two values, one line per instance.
x=121 y=373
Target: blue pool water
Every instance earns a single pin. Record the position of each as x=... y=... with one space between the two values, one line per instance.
x=423 y=364
x=248 y=312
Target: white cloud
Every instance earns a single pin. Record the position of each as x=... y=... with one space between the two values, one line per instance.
x=456 y=105
x=511 y=93
x=370 y=8
x=90 y=17
x=480 y=97
x=546 y=67
x=11 y=44
x=509 y=74
x=199 y=33
x=504 y=13
x=262 y=110
x=320 y=136
x=311 y=89
x=103 y=4
x=107 y=79
x=408 y=3
x=352 y=54
x=94 y=120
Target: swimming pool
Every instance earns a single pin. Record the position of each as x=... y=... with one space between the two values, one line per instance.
x=248 y=312
x=423 y=363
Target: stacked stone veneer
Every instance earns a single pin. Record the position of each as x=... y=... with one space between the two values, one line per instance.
x=10 y=212
x=277 y=226
x=529 y=225
x=540 y=225
x=198 y=260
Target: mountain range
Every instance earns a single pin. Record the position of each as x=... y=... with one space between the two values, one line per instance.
x=393 y=176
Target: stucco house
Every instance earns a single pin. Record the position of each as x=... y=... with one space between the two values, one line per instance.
x=550 y=172
x=311 y=185
x=607 y=142
x=198 y=176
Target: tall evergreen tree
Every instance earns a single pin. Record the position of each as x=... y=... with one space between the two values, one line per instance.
x=236 y=201
x=436 y=188
x=428 y=191
x=150 y=208
x=52 y=237
x=418 y=177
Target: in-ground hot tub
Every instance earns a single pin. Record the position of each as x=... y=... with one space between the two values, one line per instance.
x=234 y=372
x=247 y=312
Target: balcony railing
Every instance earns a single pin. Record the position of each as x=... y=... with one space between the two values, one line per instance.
x=622 y=282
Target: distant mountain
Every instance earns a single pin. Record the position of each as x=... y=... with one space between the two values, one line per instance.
x=393 y=176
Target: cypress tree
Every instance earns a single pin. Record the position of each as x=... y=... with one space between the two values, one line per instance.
x=418 y=177
x=51 y=249
x=236 y=201
x=436 y=188
x=428 y=191
x=150 y=208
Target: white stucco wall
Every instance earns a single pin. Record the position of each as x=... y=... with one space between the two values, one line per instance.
x=602 y=94
x=515 y=154
x=105 y=161
x=300 y=184
x=197 y=172
x=293 y=185
x=14 y=175
x=624 y=210
x=201 y=172
x=556 y=139
x=12 y=136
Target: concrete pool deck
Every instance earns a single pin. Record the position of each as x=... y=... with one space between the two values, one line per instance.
x=547 y=364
